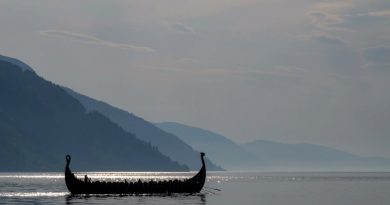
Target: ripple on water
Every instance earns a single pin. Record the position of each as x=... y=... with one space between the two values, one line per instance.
x=33 y=194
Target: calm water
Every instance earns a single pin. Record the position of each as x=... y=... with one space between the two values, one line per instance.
x=221 y=188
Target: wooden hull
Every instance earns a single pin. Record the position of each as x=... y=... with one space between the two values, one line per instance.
x=191 y=185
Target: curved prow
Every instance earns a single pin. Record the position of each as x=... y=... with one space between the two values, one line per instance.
x=67 y=170
x=70 y=179
x=67 y=157
x=202 y=154
x=200 y=178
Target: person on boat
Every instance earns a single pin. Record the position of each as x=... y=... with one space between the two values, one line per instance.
x=86 y=179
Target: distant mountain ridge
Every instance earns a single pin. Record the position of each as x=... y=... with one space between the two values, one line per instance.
x=221 y=149
x=17 y=63
x=40 y=123
x=167 y=143
x=273 y=156
x=312 y=157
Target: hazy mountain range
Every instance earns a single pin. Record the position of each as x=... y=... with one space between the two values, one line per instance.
x=219 y=148
x=310 y=157
x=167 y=143
x=40 y=123
x=270 y=156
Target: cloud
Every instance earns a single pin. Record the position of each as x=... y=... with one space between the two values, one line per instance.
x=325 y=20
x=378 y=55
x=329 y=40
x=323 y=37
x=278 y=71
x=94 y=40
x=181 y=27
x=379 y=13
x=332 y=5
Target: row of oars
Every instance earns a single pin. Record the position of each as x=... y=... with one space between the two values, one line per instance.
x=211 y=190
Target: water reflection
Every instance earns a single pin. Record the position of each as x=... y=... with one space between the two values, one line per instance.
x=199 y=198
x=226 y=188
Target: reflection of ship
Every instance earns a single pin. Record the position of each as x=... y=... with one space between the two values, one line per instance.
x=191 y=185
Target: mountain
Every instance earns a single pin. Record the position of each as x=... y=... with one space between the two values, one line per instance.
x=168 y=144
x=281 y=156
x=16 y=62
x=272 y=156
x=219 y=148
x=40 y=123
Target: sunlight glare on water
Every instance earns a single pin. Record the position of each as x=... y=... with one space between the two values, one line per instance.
x=228 y=188
x=33 y=194
x=32 y=175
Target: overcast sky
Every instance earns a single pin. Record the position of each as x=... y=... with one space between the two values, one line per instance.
x=307 y=71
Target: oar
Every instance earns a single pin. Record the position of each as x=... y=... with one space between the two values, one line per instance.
x=215 y=189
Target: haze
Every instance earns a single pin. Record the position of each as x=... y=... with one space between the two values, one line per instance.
x=289 y=71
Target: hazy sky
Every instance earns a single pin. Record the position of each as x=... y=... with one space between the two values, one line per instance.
x=292 y=71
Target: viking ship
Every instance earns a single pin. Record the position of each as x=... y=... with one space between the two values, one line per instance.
x=86 y=186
